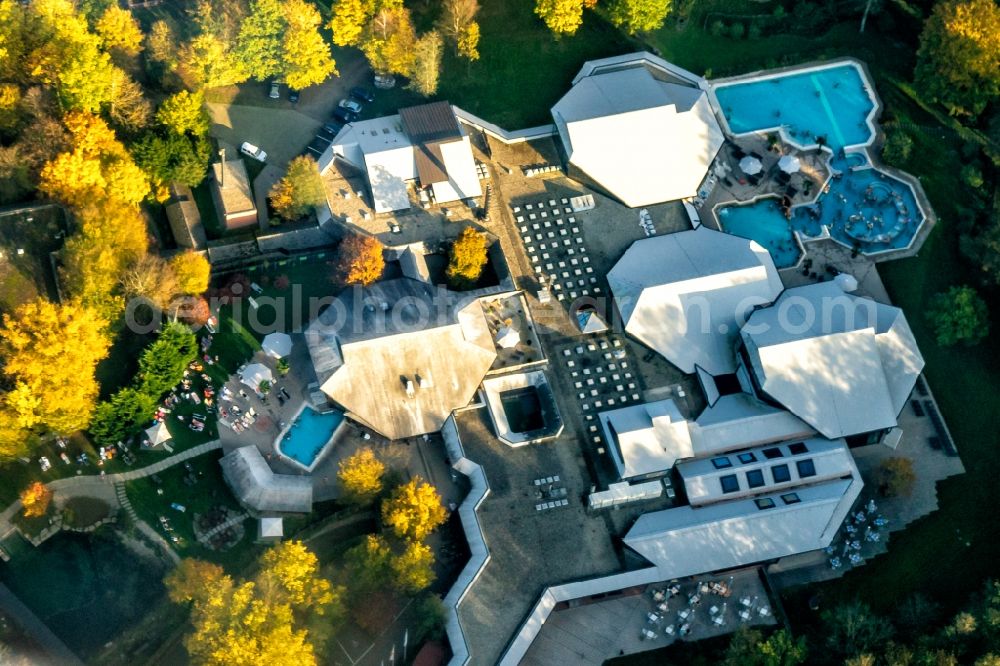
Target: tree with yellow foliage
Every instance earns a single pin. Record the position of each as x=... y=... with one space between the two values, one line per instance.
x=413 y=568
x=360 y=476
x=207 y=62
x=151 y=278
x=468 y=42
x=300 y=190
x=458 y=24
x=413 y=510
x=348 y=20
x=119 y=31
x=109 y=239
x=368 y=564
x=258 y=622
x=306 y=58
x=390 y=40
x=468 y=256
x=192 y=271
x=35 y=499
x=294 y=569
x=563 y=17
x=958 y=63
x=359 y=260
x=97 y=168
x=184 y=113
x=50 y=353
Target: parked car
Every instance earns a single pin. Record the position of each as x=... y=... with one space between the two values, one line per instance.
x=293 y=96
x=333 y=127
x=253 y=151
x=363 y=94
x=344 y=116
x=351 y=105
x=275 y=90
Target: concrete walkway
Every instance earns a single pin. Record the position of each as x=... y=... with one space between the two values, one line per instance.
x=103 y=487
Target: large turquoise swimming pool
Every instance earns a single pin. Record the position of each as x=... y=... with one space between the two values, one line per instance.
x=832 y=103
x=309 y=434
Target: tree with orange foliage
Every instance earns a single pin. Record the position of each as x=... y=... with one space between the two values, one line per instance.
x=359 y=260
x=35 y=499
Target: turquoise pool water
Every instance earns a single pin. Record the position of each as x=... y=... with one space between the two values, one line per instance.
x=832 y=103
x=863 y=208
x=309 y=434
x=763 y=222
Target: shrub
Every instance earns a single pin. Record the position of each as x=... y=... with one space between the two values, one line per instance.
x=897 y=148
x=717 y=28
x=754 y=32
x=959 y=315
x=972 y=176
x=896 y=477
x=736 y=30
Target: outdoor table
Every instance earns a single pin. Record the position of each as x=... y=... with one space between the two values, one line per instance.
x=713 y=610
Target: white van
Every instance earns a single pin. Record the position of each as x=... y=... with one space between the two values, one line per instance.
x=253 y=151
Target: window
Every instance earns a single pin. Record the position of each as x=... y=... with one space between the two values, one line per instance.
x=806 y=468
x=755 y=478
x=790 y=498
x=771 y=454
x=764 y=503
x=722 y=462
x=747 y=457
x=729 y=483
x=797 y=448
x=780 y=474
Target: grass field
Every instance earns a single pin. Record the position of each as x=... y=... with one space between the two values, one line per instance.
x=210 y=490
x=26 y=240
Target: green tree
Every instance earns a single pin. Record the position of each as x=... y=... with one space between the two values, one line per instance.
x=638 y=15
x=300 y=191
x=468 y=257
x=306 y=55
x=563 y=17
x=958 y=62
x=413 y=510
x=748 y=647
x=413 y=568
x=163 y=363
x=173 y=158
x=259 y=47
x=368 y=563
x=184 y=113
x=897 y=148
x=959 y=315
x=115 y=420
x=853 y=629
x=427 y=63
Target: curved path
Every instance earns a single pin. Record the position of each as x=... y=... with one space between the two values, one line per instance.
x=103 y=487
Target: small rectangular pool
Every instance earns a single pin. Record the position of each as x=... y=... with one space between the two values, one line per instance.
x=828 y=102
x=308 y=435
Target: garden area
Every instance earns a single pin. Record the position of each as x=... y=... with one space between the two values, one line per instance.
x=26 y=240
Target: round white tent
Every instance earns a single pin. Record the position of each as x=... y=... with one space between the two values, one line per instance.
x=254 y=374
x=750 y=165
x=277 y=345
x=789 y=163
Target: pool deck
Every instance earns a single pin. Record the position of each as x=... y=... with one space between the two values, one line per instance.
x=815 y=165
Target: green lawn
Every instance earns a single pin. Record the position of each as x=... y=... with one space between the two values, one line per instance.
x=26 y=240
x=291 y=292
x=209 y=491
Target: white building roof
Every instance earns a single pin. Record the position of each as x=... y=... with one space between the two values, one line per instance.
x=400 y=355
x=685 y=294
x=643 y=140
x=258 y=487
x=687 y=540
x=753 y=469
x=646 y=439
x=843 y=364
x=382 y=148
x=738 y=420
